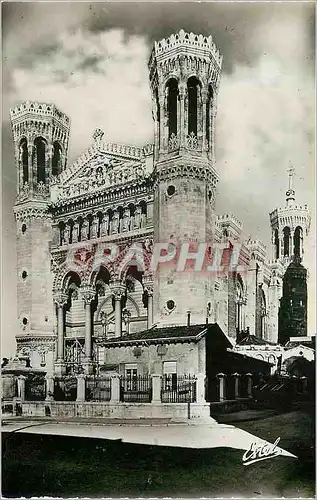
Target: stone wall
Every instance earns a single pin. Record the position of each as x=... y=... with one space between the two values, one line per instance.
x=119 y=410
x=190 y=358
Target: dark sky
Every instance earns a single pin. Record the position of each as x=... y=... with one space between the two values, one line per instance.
x=91 y=60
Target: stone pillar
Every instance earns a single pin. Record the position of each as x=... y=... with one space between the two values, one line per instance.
x=236 y=377
x=291 y=243
x=200 y=388
x=115 y=389
x=250 y=384
x=49 y=381
x=88 y=295
x=222 y=386
x=118 y=290
x=81 y=388
x=60 y=301
x=150 y=310
x=30 y=165
x=148 y=287
x=304 y=381
x=162 y=123
x=182 y=131
x=204 y=96
x=21 y=388
x=156 y=388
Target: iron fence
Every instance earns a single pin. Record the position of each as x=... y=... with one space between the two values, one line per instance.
x=98 y=389
x=136 y=389
x=65 y=388
x=178 y=389
x=35 y=388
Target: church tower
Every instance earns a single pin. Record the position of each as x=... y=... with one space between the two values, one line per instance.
x=41 y=134
x=184 y=77
x=290 y=227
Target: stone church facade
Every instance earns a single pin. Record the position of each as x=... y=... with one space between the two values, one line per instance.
x=90 y=233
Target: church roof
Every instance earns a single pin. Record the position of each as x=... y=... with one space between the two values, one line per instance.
x=253 y=340
x=158 y=335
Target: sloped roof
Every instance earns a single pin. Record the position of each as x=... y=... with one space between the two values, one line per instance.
x=154 y=335
x=253 y=340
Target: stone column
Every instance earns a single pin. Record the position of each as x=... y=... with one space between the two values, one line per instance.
x=291 y=243
x=148 y=287
x=30 y=165
x=115 y=389
x=204 y=97
x=200 y=388
x=304 y=381
x=156 y=388
x=162 y=122
x=236 y=385
x=150 y=309
x=182 y=131
x=81 y=388
x=21 y=388
x=49 y=381
x=60 y=301
x=250 y=384
x=117 y=290
x=88 y=295
x=222 y=386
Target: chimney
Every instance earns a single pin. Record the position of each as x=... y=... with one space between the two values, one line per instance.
x=188 y=318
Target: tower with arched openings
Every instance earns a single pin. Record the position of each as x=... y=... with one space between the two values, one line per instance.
x=184 y=77
x=290 y=227
x=40 y=134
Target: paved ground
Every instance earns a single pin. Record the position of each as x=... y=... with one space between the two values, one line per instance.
x=53 y=465
x=186 y=434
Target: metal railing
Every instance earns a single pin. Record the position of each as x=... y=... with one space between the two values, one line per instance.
x=178 y=389
x=65 y=388
x=35 y=388
x=98 y=389
x=136 y=389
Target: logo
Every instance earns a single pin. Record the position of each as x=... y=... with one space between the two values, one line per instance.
x=261 y=451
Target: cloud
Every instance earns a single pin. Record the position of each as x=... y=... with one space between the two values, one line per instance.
x=98 y=80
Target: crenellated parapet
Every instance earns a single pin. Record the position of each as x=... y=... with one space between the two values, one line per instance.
x=192 y=48
x=257 y=249
x=40 y=109
x=229 y=226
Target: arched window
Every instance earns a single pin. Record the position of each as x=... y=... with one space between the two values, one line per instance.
x=239 y=304
x=40 y=149
x=192 y=89
x=286 y=238
x=172 y=94
x=24 y=159
x=298 y=241
x=208 y=114
x=276 y=244
x=56 y=158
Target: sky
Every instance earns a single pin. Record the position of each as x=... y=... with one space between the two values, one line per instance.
x=90 y=59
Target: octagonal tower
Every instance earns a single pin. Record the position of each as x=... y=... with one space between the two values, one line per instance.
x=184 y=77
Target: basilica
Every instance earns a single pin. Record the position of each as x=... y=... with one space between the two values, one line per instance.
x=108 y=246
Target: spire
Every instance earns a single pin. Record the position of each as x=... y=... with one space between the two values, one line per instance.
x=290 y=193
